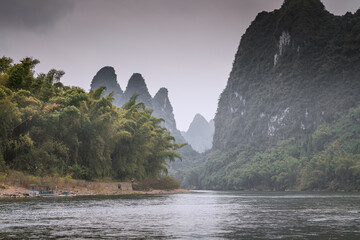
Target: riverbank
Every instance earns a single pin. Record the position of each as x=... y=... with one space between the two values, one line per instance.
x=88 y=189
x=14 y=184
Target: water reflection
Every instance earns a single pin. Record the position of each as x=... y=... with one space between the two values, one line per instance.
x=202 y=215
x=291 y=216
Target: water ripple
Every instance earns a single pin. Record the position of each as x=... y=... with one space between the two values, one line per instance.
x=202 y=215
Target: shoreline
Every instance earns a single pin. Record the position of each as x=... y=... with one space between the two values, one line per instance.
x=11 y=192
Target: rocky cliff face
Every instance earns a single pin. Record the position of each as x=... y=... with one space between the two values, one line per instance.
x=295 y=68
x=295 y=74
x=106 y=77
x=137 y=85
x=163 y=109
x=200 y=133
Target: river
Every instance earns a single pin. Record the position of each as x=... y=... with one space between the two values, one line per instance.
x=199 y=215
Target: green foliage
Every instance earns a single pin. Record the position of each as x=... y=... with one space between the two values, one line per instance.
x=327 y=159
x=21 y=75
x=335 y=162
x=162 y=183
x=51 y=129
x=5 y=64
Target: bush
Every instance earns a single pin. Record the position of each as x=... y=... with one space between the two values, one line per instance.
x=2 y=178
x=162 y=183
x=16 y=178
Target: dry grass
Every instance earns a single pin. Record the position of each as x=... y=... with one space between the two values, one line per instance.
x=15 y=182
x=20 y=180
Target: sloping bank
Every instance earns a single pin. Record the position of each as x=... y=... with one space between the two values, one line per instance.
x=16 y=184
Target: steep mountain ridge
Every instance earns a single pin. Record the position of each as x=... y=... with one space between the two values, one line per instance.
x=106 y=77
x=296 y=68
x=163 y=109
x=137 y=85
x=282 y=77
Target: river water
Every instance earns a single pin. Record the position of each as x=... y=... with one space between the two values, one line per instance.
x=199 y=215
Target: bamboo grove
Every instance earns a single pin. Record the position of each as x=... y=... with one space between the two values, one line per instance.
x=51 y=129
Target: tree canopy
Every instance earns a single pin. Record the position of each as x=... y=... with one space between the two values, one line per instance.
x=48 y=128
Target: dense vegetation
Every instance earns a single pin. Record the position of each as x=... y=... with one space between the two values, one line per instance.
x=161 y=105
x=51 y=129
x=283 y=120
x=328 y=159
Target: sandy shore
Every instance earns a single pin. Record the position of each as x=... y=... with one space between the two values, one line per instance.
x=89 y=189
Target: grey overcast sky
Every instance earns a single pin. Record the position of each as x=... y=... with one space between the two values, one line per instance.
x=187 y=46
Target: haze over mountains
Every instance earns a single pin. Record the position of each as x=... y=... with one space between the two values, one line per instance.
x=200 y=132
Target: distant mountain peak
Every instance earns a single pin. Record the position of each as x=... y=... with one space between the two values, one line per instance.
x=200 y=133
x=162 y=91
x=161 y=99
x=162 y=95
x=199 y=117
x=310 y=4
x=198 y=120
x=106 y=77
x=136 y=82
x=137 y=85
x=106 y=69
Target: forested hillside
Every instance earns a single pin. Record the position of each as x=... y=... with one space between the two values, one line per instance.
x=284 y=118
x=327 y=159
x=51 y=129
